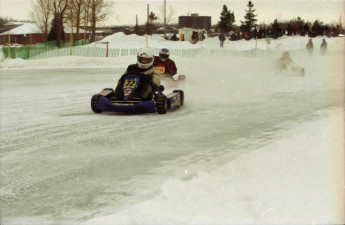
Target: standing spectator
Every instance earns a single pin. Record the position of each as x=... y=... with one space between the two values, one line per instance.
x=289 y=30
x=310 y=46
x=323 y=47
x=221 y=39
x=306 y=29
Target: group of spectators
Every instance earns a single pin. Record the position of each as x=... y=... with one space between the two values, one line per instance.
x=289 y=30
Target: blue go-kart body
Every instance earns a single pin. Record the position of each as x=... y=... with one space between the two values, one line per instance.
x=131 y=101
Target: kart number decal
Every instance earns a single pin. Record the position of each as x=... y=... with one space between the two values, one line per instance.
x=127 y=91
x=129 y=83
x=160 y=69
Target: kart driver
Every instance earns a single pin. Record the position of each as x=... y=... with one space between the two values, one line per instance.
x=144 y=66
x=285 y=61
x=164 y=64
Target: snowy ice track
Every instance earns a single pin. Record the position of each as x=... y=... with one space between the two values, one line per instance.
x=57 y=156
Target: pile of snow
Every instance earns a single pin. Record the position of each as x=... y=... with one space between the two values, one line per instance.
x=272 y=185
x=120 y=40
x=285 y=43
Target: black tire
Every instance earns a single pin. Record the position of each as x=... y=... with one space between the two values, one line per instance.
x=181 y=96
x=94 y=102
x=161 y=104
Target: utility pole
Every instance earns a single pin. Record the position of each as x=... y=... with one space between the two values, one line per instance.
x=59 y=29
x=71 y=35
x=9 y=45
x=148 y=19
x=147 y=26
x=165 y=18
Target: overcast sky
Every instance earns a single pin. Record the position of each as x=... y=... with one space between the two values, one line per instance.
x=125 y=11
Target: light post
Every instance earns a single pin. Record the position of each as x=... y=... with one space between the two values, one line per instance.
x=107 y=47
x=71 y=35
x=9 y=46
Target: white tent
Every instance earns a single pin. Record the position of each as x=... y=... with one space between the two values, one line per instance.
x=186 y=33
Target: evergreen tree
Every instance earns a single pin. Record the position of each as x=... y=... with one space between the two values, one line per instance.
x=317 y=28
x=227 y=19
x=57 y=26
x=276 y=29
x=299 y=22
x=249 y=19
x=150 y=26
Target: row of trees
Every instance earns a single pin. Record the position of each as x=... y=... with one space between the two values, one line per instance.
x=166 y=15
x=76 y=13
x=250 y=27
x=227 y=20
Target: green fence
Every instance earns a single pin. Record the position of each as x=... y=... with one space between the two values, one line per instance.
x=29 y=52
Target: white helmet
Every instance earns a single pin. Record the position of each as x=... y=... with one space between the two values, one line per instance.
x=145 y=58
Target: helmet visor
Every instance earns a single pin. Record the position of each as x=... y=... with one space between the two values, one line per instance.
x=144 y=60
x=163 y=56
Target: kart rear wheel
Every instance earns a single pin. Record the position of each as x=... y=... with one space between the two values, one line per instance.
x=181 y=96
x=161 y=104
x=94 y=102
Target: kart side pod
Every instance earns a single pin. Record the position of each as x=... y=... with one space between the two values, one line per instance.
x=103 y=102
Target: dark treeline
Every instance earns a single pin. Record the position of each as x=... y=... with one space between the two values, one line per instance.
x=250 y=29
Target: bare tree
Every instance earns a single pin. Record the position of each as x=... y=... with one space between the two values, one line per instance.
x=60 y=8
x=42 y=13
x=168 y=15
x=85 y=16
x=76 y=7
x=99 y=10
x=75 y=12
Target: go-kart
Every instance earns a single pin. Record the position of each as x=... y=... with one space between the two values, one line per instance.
x=137 y=96
x=288 y=68
x=292 y=71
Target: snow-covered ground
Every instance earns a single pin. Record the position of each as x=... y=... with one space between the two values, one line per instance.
x=250 y=146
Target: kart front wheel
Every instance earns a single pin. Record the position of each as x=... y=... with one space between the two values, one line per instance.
x=94 y=102
x=162 y=104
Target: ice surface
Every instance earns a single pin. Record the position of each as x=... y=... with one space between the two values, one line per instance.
x=250 y=146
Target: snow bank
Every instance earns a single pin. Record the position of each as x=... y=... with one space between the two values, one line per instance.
x=120 y=40
x=271 y=185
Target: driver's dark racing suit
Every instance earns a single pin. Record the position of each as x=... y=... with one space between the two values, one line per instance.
x=150 y=81
x=165 y=67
